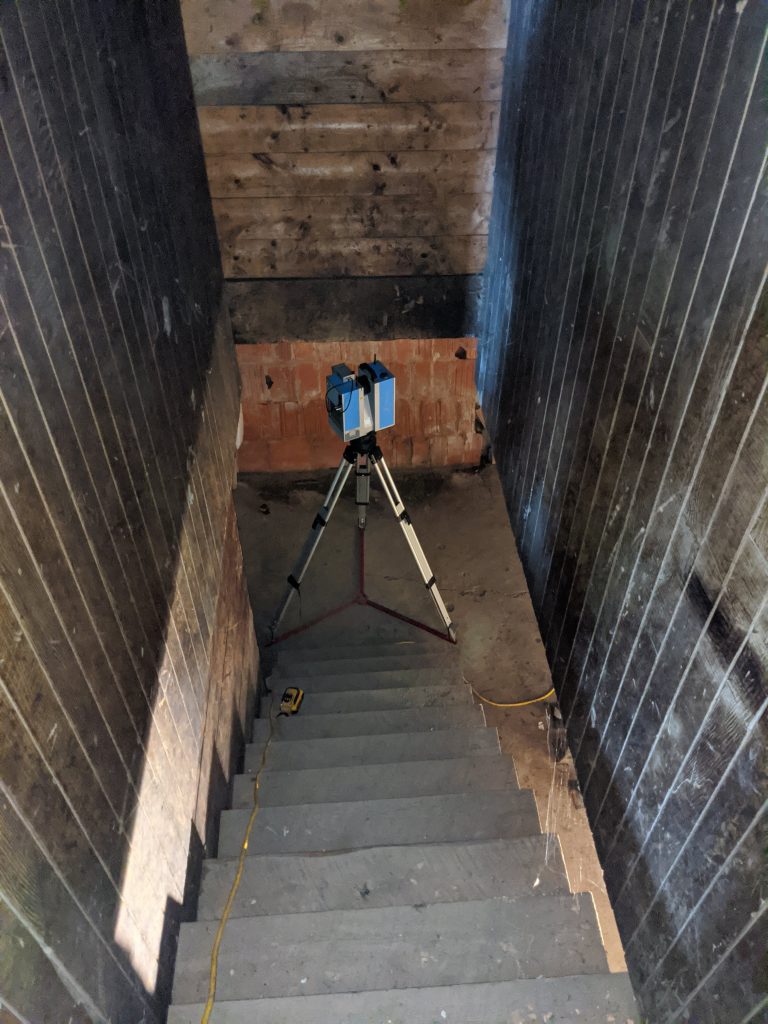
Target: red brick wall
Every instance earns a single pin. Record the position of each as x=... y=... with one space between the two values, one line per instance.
x=286 y=426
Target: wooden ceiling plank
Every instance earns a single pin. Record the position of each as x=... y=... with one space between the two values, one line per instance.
x=256 y=25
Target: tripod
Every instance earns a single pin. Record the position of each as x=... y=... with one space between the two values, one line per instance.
x=362 y=453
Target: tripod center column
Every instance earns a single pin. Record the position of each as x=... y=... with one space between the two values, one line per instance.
x=362 y=488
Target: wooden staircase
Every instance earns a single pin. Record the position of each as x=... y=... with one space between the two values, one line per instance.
x=396 y=873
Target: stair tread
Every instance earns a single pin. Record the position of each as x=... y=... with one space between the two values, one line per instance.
x=389 y=699
x=392 y=947
x=574 y=999
x=366 y=723
x=384 y=876
x=423 y=819
x=375 y=782
x=382 y=749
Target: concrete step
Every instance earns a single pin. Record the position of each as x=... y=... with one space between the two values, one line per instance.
x=393 y=699
x=379 y=663
x=376 y=782
x=390 y=748
x=366 y=723
x=580 y=999
x=392 y=947
x=380 y=680
x=306 y=828
x=385 y=876
x=355 y=649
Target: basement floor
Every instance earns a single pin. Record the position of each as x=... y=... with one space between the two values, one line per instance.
x=462 y=523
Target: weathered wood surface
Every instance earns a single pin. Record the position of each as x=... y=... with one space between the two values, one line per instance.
x=341 y=258
x=118 y=408
x=348 y=128
x=351 y=309
x=240 y=221
x=624 y=376
x=388 y=99
x=342 y=174
x=420 y=76
x=241 y=25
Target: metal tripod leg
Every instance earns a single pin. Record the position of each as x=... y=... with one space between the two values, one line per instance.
x=315 y=533
x=388 y=485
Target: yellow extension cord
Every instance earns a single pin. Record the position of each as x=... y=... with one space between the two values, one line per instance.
x=513 y=704
x=249 y=828
x=238 y=877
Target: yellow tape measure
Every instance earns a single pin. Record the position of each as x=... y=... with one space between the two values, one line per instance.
x=291 y=700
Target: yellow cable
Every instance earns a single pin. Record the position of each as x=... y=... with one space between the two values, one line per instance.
x=514 y=704
x=238 y=877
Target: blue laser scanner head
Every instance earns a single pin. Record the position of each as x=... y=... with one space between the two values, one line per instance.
x=362 y=401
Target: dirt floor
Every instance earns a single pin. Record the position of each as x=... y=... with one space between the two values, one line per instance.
x=461 y=521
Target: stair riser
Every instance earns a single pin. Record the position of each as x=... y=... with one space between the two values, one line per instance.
x=346 y=681
x=343 y=826
x=365 y=723
x=586 y=999
x=391 y=748
x=376 y=782
x=361 y=651
x=336 y=666
x=354 y=701
x=396 y=947
x=385 y=877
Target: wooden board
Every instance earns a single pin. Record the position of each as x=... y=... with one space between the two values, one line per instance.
x=342 y=309
x=355 y=257
x=349 y=128
x=338 y=174
x=362 y=77
x=29 y=977
x=240 y=221
x=43 y=902
x=215 y=27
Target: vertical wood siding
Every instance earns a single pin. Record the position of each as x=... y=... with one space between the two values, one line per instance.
x=623 y=369
x=118 y=409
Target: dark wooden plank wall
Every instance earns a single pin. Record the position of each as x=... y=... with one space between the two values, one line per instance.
x=624 y=362
x=348 y=141
x=118 y=411
x=354 y=309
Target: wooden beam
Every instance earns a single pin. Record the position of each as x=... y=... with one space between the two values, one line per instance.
x=240 y=221
x=355 y=257
x=345 y=174
x=371 y=76
x=349 y=128
x=354 y=308
x=242 y=25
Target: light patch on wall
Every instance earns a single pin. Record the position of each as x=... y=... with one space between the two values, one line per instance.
x=154 y=871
